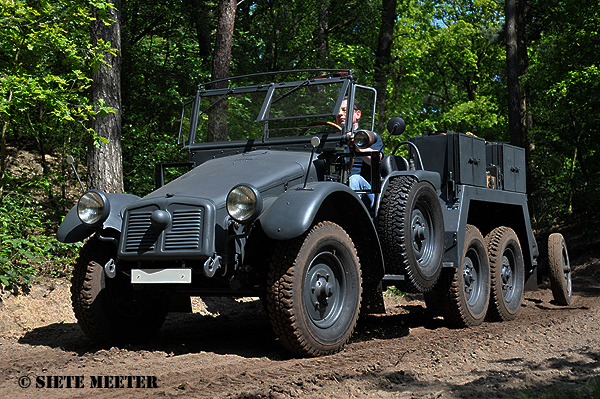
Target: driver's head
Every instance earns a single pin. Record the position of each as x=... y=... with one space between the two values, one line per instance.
x=340 y=118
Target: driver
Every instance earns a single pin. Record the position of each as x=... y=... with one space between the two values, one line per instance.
x=361 y=170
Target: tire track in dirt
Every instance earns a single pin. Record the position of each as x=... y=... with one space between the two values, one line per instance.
x=231 y=352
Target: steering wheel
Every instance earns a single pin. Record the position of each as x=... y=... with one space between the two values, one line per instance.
x=319 y=123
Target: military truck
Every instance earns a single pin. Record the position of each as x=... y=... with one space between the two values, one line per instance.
x=268 y=213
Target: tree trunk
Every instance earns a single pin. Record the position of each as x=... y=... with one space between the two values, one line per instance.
x=105 y=161
x=383 y=56
x=322 y=35
x=217 y=127
x=522 y=19
x=516 y=112
x=517 y=66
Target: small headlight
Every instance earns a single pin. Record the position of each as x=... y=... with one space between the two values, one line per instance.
x=93 y=208
x=364 y=139
x=244 y=203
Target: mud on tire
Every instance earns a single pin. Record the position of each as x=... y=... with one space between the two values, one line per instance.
x=464 y=292
x=559 y=270
x=110 y=311
x=507 y=269
x=314 y=291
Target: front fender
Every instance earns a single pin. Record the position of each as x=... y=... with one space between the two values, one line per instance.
x=72 y=229
x=293 y=212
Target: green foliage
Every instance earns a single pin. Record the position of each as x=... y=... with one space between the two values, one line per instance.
x=591 y=390
x=447 y=73
x=280 y=35
x=395 y=292
x=449 y=67
x=26 y=248
x=565 y=85
x=46 y=58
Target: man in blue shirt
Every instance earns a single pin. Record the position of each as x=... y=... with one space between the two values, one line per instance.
x=361 y=170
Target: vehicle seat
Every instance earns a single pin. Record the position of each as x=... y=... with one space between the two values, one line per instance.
x=392 y=163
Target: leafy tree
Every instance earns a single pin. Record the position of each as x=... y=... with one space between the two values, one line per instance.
x=449 y=67
x=166 y=53
x=565 y=82
x=45 y=58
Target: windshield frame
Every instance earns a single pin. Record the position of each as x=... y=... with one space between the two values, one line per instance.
x=343 y=78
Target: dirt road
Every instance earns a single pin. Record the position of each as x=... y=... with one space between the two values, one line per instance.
x=226 y=349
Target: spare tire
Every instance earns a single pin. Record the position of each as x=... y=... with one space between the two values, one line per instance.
x=411 y=229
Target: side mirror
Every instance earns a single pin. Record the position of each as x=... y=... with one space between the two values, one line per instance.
x=396 y=126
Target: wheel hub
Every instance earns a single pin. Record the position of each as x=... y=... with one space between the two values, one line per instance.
x=322 y=289
x=468 y=276
x=471 y=277
x=421 y=237
x=507 y=275
x=325 y=289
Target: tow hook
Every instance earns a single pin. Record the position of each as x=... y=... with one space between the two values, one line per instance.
x=110 y=268
x=211 y=266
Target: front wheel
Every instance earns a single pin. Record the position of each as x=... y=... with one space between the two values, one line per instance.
x=559 y=269
x=464 y=292
x=314 y=291
x=109 y=310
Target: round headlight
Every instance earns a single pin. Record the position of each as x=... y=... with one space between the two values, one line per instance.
x=364 y=139
x=93 y=208
x=244 y=203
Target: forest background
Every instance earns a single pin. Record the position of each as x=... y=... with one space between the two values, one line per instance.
x=519 y=71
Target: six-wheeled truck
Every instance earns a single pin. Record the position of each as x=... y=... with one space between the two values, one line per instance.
x=269 y=214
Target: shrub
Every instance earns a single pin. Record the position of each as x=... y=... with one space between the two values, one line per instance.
x=27 y=245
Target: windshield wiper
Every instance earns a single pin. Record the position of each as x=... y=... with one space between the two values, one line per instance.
x=287 y=93
x=218 y=101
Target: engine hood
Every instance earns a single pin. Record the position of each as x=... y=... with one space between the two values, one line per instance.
x=214 y=179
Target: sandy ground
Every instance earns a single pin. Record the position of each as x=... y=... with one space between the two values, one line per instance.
x=226 y=349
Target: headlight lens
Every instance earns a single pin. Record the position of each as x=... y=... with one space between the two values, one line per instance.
x=93 y=208
x=244 y=203
x=364 y=139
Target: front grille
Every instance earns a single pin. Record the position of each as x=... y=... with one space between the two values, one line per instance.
x=183 y=233
x=141 y=237
x=186 y=230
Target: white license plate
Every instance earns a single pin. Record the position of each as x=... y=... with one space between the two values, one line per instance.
x=161 y=276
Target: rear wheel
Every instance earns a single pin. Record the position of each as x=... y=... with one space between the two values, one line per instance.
x=109 y=310
x=314 y=291
x=507 y=274
x=464 y=292
x=559 y=270
x=411 y=229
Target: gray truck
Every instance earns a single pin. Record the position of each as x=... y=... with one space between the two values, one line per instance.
x=268 y=213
